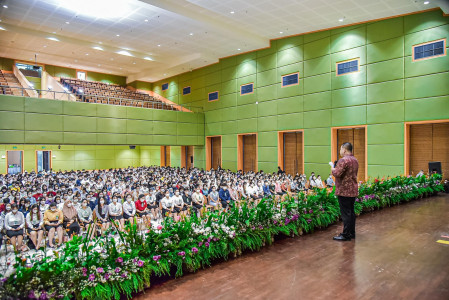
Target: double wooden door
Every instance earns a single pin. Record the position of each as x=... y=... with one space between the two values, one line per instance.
x=355 y=136
x=293 y=152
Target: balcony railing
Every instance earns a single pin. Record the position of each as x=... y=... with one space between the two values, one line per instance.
x=66 y=96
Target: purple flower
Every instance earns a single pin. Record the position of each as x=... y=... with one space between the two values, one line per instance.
x=100 y=270
x=215 y=239
x=31 y=294
x=134 y=260
x=91 y=277
x=206 y=244
x=287 y=220
x=311 y=211
x=260 y=227
x=275 y=222
x=309 y=220
x=156 y=257
x=182 y=253
x=208 y=240
x=200 y=244
x=195 y=250
x=117 y=270
x=84 y=270
x=119 y=260
x=124 y=275
x=106 y=276
x=140 y=263
x=43 y=295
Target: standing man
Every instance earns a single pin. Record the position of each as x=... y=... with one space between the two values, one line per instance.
x=346 y=189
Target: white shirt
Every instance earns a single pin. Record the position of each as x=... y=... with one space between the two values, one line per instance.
x=35 y=221
x=129 y=208
x=177 y=200
x=16 y=219
x=115 y=209
x=167 y=203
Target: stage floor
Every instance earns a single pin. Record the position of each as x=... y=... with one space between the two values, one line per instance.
x=395 y=256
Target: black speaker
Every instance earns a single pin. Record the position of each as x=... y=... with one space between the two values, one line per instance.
x=435 y=166
x=191 y=159
x=132 y=147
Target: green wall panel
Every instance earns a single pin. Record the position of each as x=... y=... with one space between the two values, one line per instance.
x=385 y=71
x=427 y=109
x=385 y=112
x=388 y=133
x=349 y=116
x=385 y=91
x=291 y=121
x=390 y=155
x=349 y=97
x=427 y=86
x=384 y=30
x=318 y=101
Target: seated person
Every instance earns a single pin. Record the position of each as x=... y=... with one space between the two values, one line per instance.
x=116 y=212
x=70 y=220
x=330 y=181
x=187 y=201
x=85 y=217
x=14 y=225
x=214 y=198
x=152 y=205
x=53 y=219
x=129 y=209
x=101 y=213
x=142 y=209
x=35 y=226
x=197 y=199
x=224 y=195
x=167 y=205
x=178 y=203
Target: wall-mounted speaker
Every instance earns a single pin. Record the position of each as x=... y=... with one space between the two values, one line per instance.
x=191 y=159
x=132 y=147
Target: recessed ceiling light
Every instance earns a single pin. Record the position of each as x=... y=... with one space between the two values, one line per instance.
x=87 y=53
x=5 y=6
x=52 y=39
x=67 y=22
x=105 y=9
x=232 y=12
x=147 y=58
x=238 y=49
x=117 y=35
x=191 y=33
x=45 y=46
x=165 y=74
x=146 y=20
x=124 y=52
x=280 y=32
x=134 y=62
x=341 y=20
x=158 y=45
x=97 y=48
x=426 y=2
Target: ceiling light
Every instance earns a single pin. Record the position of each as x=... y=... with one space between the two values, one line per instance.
x=147 y=58
x=165 y=74
x=238 y=49
x=67 y=22
x=45 y=46
x=117 y=35
x=104 y=9
x=52 y=39
x=158 y=45
x=280 y=32
x=97 y=48
x=123 y=52
x=146 y=20
x=5 y=6
x=191 y=33
x=134 y=62
x=1 y=28
x=426 y=2
x=341 y=20
x=232 y=12
x=87 y=53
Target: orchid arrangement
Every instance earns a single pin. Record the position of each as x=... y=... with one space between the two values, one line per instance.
x=111 y=266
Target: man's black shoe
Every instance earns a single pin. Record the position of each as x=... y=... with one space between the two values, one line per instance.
x=342 y=238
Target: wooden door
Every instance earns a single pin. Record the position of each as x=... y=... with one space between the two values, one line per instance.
x=165 y=156
x=215 y=152
x=429 y=142
x=292 y=152
x=355 y=136
x=189 y=157
x=249 y=153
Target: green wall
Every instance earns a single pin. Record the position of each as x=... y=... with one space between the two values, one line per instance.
x=141 y=85
x=57 y=71
x=6 y=64
x=36 y=81
x=38 y=121
x=389 y=90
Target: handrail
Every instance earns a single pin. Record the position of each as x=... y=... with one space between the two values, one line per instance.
x=108 y=99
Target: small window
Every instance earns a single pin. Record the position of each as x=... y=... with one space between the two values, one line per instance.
x=429 y=50
x=186 y=90
x=346 y=67
x=213 y=96
x=290 y=79
x=246 y=89
x=165 y=86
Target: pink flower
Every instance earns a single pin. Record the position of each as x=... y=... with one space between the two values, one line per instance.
x=182 y=253
x=119 y=260
x=124 y=275
x=117 y=270
x=100 y=270
x=140 y=263
x=106 y=276
x=206 y=244
x=200 y=244
x=91 y=277
x=84 y=270
x=195 y=250
x=159 y=227
x=309 y=220
x=156 y=257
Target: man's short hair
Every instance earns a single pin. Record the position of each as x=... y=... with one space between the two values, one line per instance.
x=347 y=146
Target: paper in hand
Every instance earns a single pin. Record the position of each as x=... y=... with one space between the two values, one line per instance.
x=331 y=164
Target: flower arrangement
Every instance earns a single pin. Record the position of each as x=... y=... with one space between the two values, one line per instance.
x=107 y=267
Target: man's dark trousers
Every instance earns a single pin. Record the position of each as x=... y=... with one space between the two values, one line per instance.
x=347 y=215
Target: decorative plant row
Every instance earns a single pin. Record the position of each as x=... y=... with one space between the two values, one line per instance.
x=104 y=268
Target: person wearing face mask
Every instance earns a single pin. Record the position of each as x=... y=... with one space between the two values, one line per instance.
x=178 y=204
x=142 y=209
x=224 y=195
x=70 y=220
x=92 y=201
x=187 y=202
x=7 y=208
x=53 y=219
x=129 y=209
x=167 y=205
x=14 y=224
x=116 y=213
x=35 y=226
x=152 y=205
x=101 y=213
x=213 y=198
x=85 y=218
